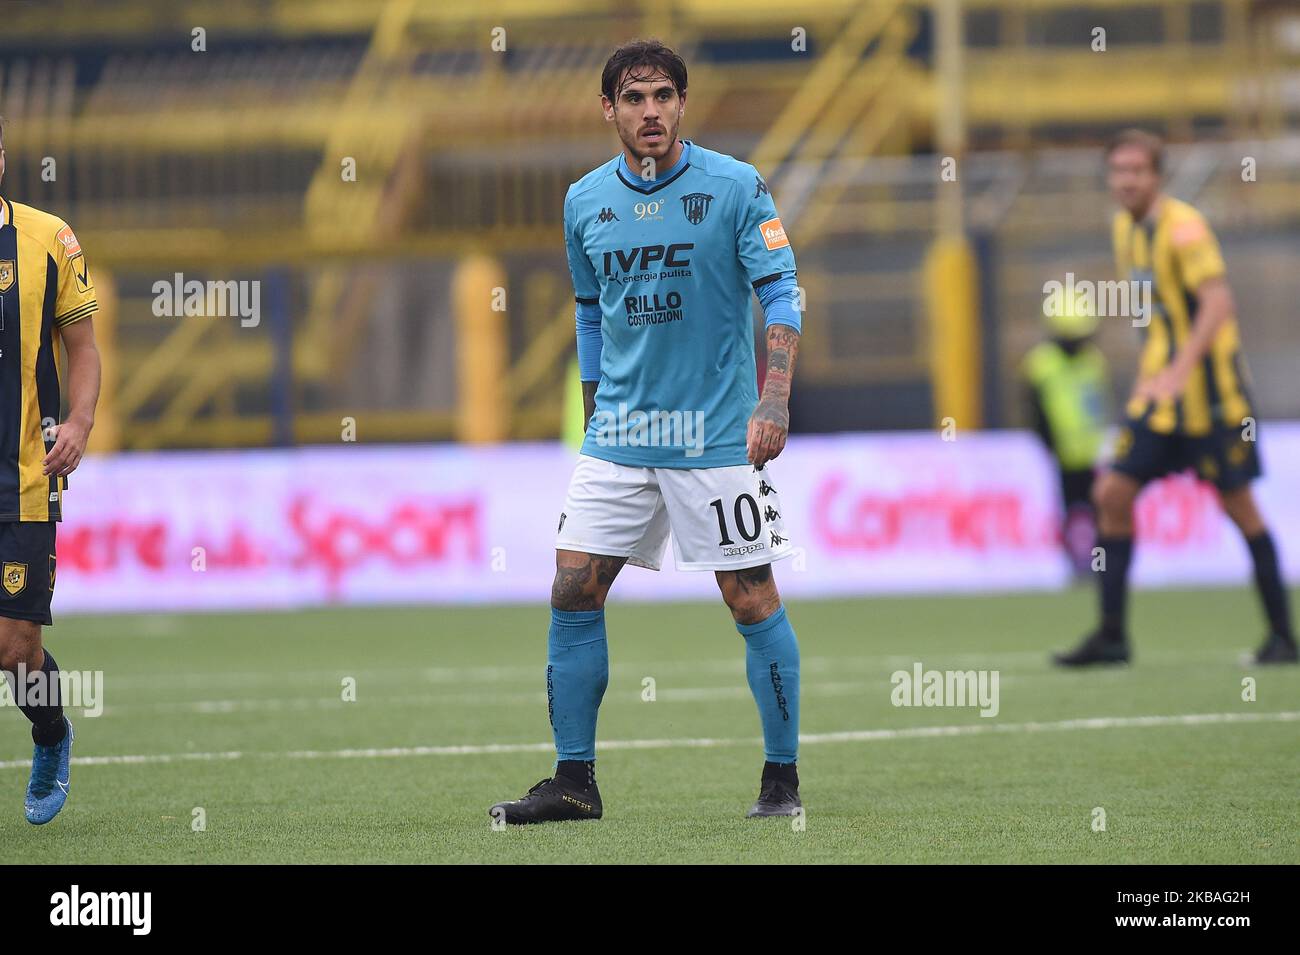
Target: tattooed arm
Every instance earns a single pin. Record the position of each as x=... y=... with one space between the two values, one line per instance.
x=770 y=423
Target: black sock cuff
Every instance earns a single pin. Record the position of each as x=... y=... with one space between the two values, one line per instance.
x=1118 y=554
x=1261 y=543
x=48 y=727
x=580 y=771
x=788 y=772
x=1272 y=588
x=50 y=733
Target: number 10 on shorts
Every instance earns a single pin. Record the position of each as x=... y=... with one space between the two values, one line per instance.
x=746 y=515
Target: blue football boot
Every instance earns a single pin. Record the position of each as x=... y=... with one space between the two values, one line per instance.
x=48 y=789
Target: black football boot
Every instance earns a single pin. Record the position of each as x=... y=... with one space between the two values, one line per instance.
x=558 y=799
x=1098 y=647
x=1277 y=649
x=778 y=793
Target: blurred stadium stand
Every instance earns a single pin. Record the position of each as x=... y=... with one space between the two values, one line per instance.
x=226 y=164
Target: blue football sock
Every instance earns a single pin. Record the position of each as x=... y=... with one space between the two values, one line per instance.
x=772 y=664
x=577 y=672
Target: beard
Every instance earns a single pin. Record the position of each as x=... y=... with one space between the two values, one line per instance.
x=641 y=149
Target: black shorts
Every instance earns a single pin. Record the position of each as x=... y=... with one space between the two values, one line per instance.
x=1223 y=457
x=27 y=570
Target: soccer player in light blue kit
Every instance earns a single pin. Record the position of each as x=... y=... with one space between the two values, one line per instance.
x=667 y=243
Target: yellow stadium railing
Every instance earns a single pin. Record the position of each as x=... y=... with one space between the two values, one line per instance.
x=817 y=125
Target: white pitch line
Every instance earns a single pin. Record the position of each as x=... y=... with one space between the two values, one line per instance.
x=133 y=760
x=1035 y=661
x=848 y=736
x=482 y=698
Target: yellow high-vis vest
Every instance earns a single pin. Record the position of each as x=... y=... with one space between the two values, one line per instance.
x=1072 y=390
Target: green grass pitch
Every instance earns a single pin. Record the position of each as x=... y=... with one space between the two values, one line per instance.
x=211 y=704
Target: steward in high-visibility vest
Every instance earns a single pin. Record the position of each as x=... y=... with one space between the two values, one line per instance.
x=1067 y=387
x=574 y=427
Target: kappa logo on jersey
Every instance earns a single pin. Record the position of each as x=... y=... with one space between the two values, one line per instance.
x=760 y=187
x=608 y=215
x=6 y=274
x=773 y=234
x=70 y=244
x=696 y=207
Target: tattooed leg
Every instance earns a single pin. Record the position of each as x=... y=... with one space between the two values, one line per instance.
x=751 y=594
x=582 y=581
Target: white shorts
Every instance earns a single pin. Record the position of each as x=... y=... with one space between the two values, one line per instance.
x=720 y=518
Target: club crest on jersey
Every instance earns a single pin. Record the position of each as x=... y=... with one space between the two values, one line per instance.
x=6 y=274
x=607 y=215
x=14 y=577
x=696 y=207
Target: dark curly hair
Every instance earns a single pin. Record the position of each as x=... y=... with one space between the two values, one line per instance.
x=640 y=60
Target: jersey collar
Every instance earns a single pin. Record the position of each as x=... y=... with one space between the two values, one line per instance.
x=669 y=177
x=1154 y=214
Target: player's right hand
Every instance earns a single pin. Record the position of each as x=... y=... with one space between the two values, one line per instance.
x=69 y=445
x=769 y=426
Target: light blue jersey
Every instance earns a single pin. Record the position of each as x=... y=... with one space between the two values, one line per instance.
x=673 y=265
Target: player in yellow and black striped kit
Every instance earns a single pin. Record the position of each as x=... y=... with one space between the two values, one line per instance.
x=46 y=299
x=1190 y=408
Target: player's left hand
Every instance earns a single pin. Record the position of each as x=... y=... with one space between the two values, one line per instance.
x=69 y=445
x=768 y=427
x=1168 y=383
